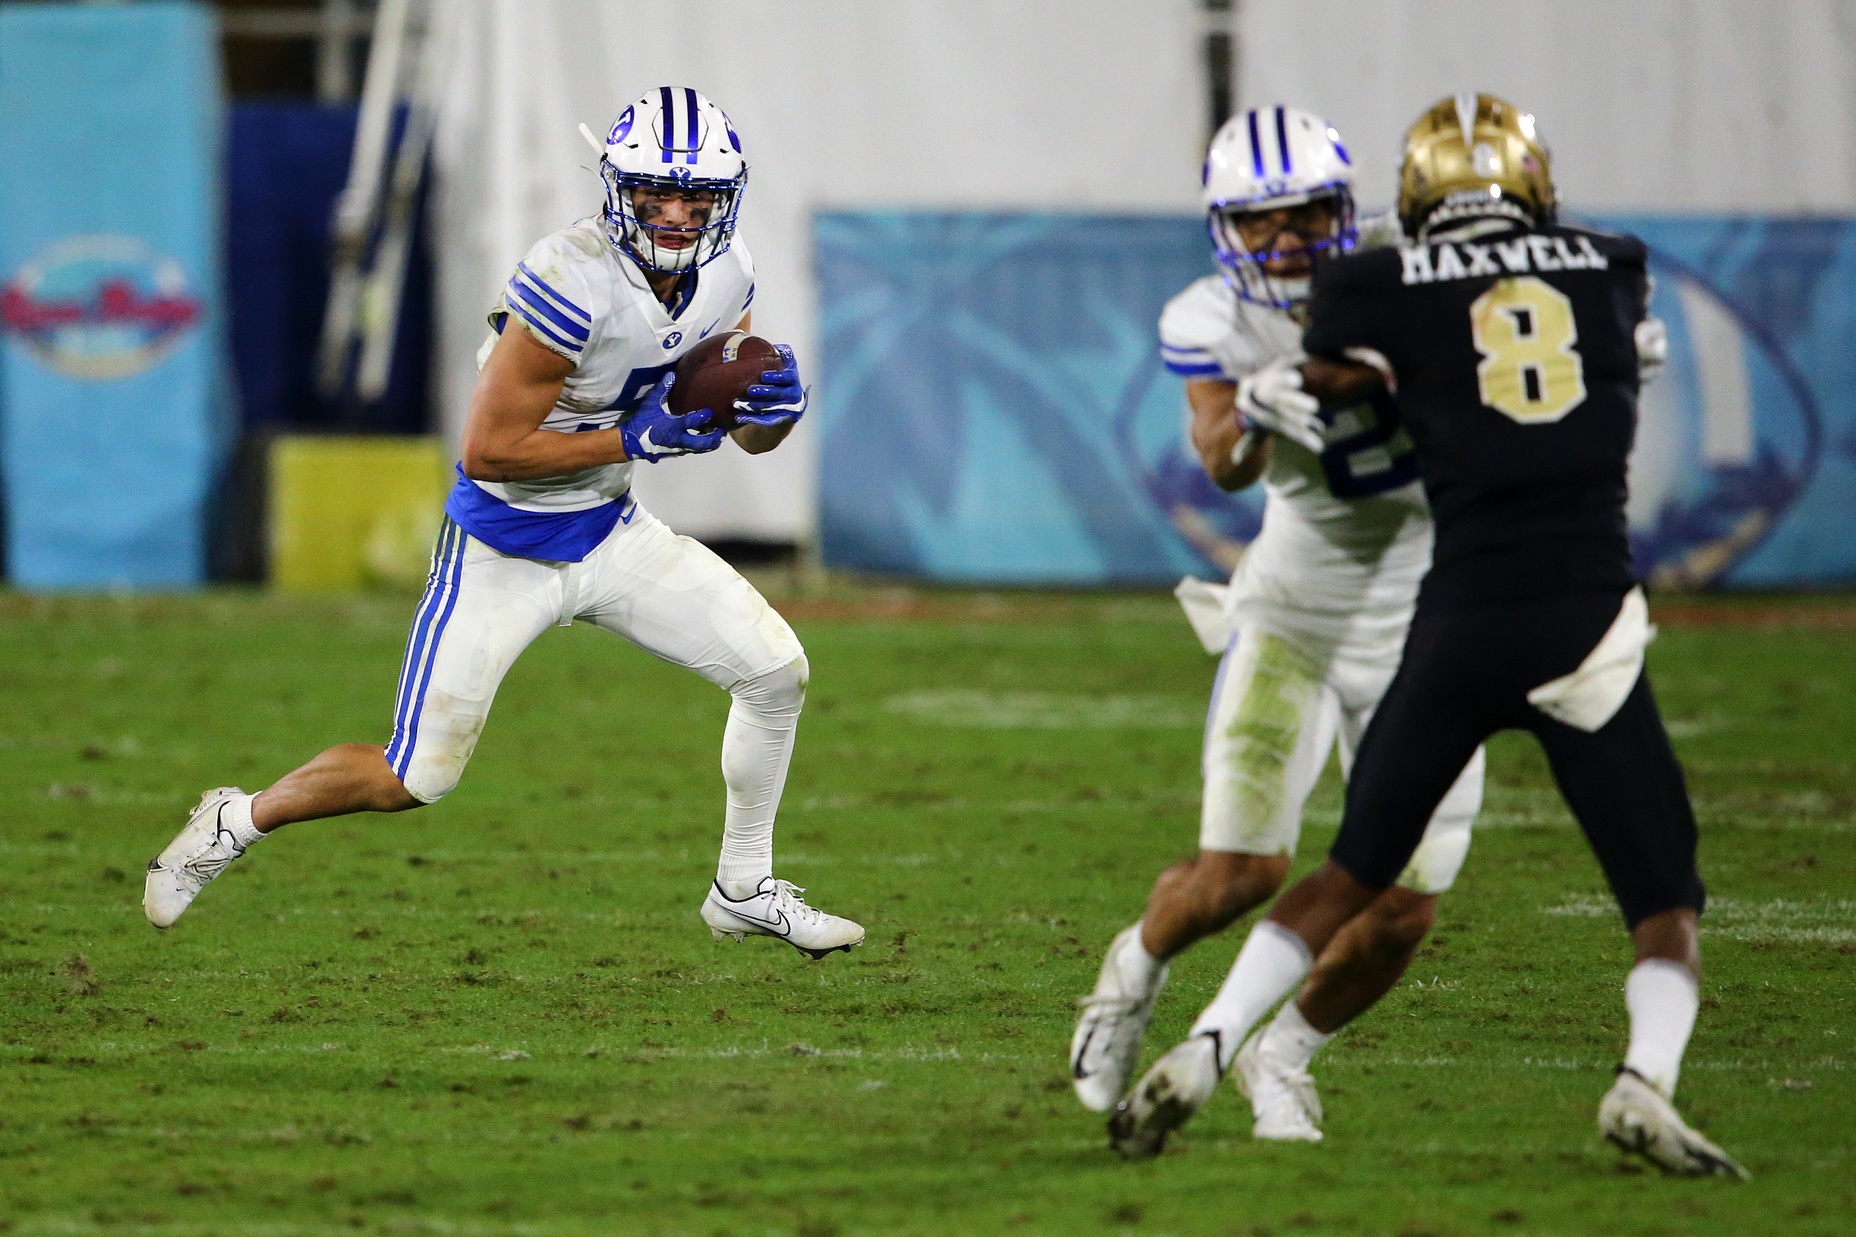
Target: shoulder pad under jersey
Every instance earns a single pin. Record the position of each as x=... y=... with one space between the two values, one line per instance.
x=559 y=289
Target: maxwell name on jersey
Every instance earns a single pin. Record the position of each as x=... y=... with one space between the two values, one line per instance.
x=1523 y=255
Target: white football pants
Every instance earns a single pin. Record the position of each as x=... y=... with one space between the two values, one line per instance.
x=1276 y=710
x=669 y=595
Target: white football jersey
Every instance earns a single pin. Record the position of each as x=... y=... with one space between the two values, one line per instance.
x=579 y=297
x=1346 y=534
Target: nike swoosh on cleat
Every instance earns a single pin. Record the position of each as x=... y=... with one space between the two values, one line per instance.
x=1076 y=1066
x=779 y=925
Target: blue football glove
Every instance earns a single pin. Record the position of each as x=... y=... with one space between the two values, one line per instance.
x=778 y=399
x=655 y=433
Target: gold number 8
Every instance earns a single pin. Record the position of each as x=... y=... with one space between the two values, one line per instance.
x=1530 y=370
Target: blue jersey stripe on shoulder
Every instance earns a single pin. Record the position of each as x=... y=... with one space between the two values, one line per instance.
x=541 y=327
x=540 y=305
x=549 y=288
x=1193 y=369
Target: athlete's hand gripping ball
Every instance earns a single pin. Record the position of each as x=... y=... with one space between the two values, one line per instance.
x=1272 y=399
x=655 y=433
x=778 y=398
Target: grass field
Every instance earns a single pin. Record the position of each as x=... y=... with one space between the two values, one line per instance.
x=501 y=1014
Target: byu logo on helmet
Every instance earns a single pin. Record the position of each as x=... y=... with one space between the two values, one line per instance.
x=1270 y=159
x=682 y=141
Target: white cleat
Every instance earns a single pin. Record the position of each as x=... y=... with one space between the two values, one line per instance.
x=1284 y=1100
x=779 y=910
x=1108 y=1034
x=1636 y=1117
x=1177 y=1086
x=198 y=854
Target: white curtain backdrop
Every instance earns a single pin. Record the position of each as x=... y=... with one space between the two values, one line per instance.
x=1648 y=105
x=1016 y=104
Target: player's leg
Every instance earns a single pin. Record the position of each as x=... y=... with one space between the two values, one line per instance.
x=674 y=598
x=1359 y=966
x=1420 y=737
x=1625 y=786
x=479 y=611
x=1268 y=730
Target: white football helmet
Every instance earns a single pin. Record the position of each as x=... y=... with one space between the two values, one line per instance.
x=1264 y=159
x=672 y=138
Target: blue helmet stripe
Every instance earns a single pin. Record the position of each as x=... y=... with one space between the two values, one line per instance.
x=1282 y=141
x=670 y=122
x=694 y=134
x=1256 y=146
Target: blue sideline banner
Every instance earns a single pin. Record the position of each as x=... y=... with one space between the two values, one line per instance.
x=994 y=410
x=111 y=374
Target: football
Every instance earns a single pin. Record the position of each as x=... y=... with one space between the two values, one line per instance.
x=719 y=371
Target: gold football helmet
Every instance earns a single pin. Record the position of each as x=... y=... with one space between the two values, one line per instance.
x=1474 y=155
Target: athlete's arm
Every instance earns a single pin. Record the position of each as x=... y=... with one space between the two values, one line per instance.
x=1340 y=381
x=503 y=438
x=1215 y=432
x=759 y=439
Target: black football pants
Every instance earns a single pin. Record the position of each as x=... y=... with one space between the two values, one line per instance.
x=1465 y=674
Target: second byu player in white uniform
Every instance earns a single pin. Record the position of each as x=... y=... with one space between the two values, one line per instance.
x=542 y=529
x=1312 y=624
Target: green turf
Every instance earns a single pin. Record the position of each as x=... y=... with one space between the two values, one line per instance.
x=501 y=1014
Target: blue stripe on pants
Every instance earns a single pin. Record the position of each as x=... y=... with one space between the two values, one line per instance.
x=450 y=545
x=449 y=593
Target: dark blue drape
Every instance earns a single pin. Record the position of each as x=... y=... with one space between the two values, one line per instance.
x=286 y=163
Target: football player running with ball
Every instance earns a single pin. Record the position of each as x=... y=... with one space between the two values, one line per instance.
x=1316 y=614
x=542 y=529
x=1516 y=347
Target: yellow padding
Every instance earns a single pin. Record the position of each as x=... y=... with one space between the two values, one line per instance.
x=348 y=513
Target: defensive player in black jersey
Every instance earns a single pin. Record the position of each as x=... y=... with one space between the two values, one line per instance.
x=1512 y=345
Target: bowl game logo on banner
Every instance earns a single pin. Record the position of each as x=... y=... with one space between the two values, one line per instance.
x=996 y=409
x=1728 y=437
x=99 y=307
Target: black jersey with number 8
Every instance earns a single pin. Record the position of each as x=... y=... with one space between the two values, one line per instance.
x=1516 y=365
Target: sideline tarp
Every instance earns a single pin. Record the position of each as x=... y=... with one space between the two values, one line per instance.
x=993 y=407
x=111 y=374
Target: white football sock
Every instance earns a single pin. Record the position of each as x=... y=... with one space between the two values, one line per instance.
x=1133 y=961
x=757 y=748
x=235 y=816
x=1271 y=963
x=1289 y=1040
x=1662 y=997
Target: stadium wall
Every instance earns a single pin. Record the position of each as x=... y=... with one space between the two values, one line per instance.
x=839 y=103
x=994 y=409
x=967 y=109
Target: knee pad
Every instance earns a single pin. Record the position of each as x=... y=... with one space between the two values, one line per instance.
x=782 y=689
x=428 y=781
x=1440 y=854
